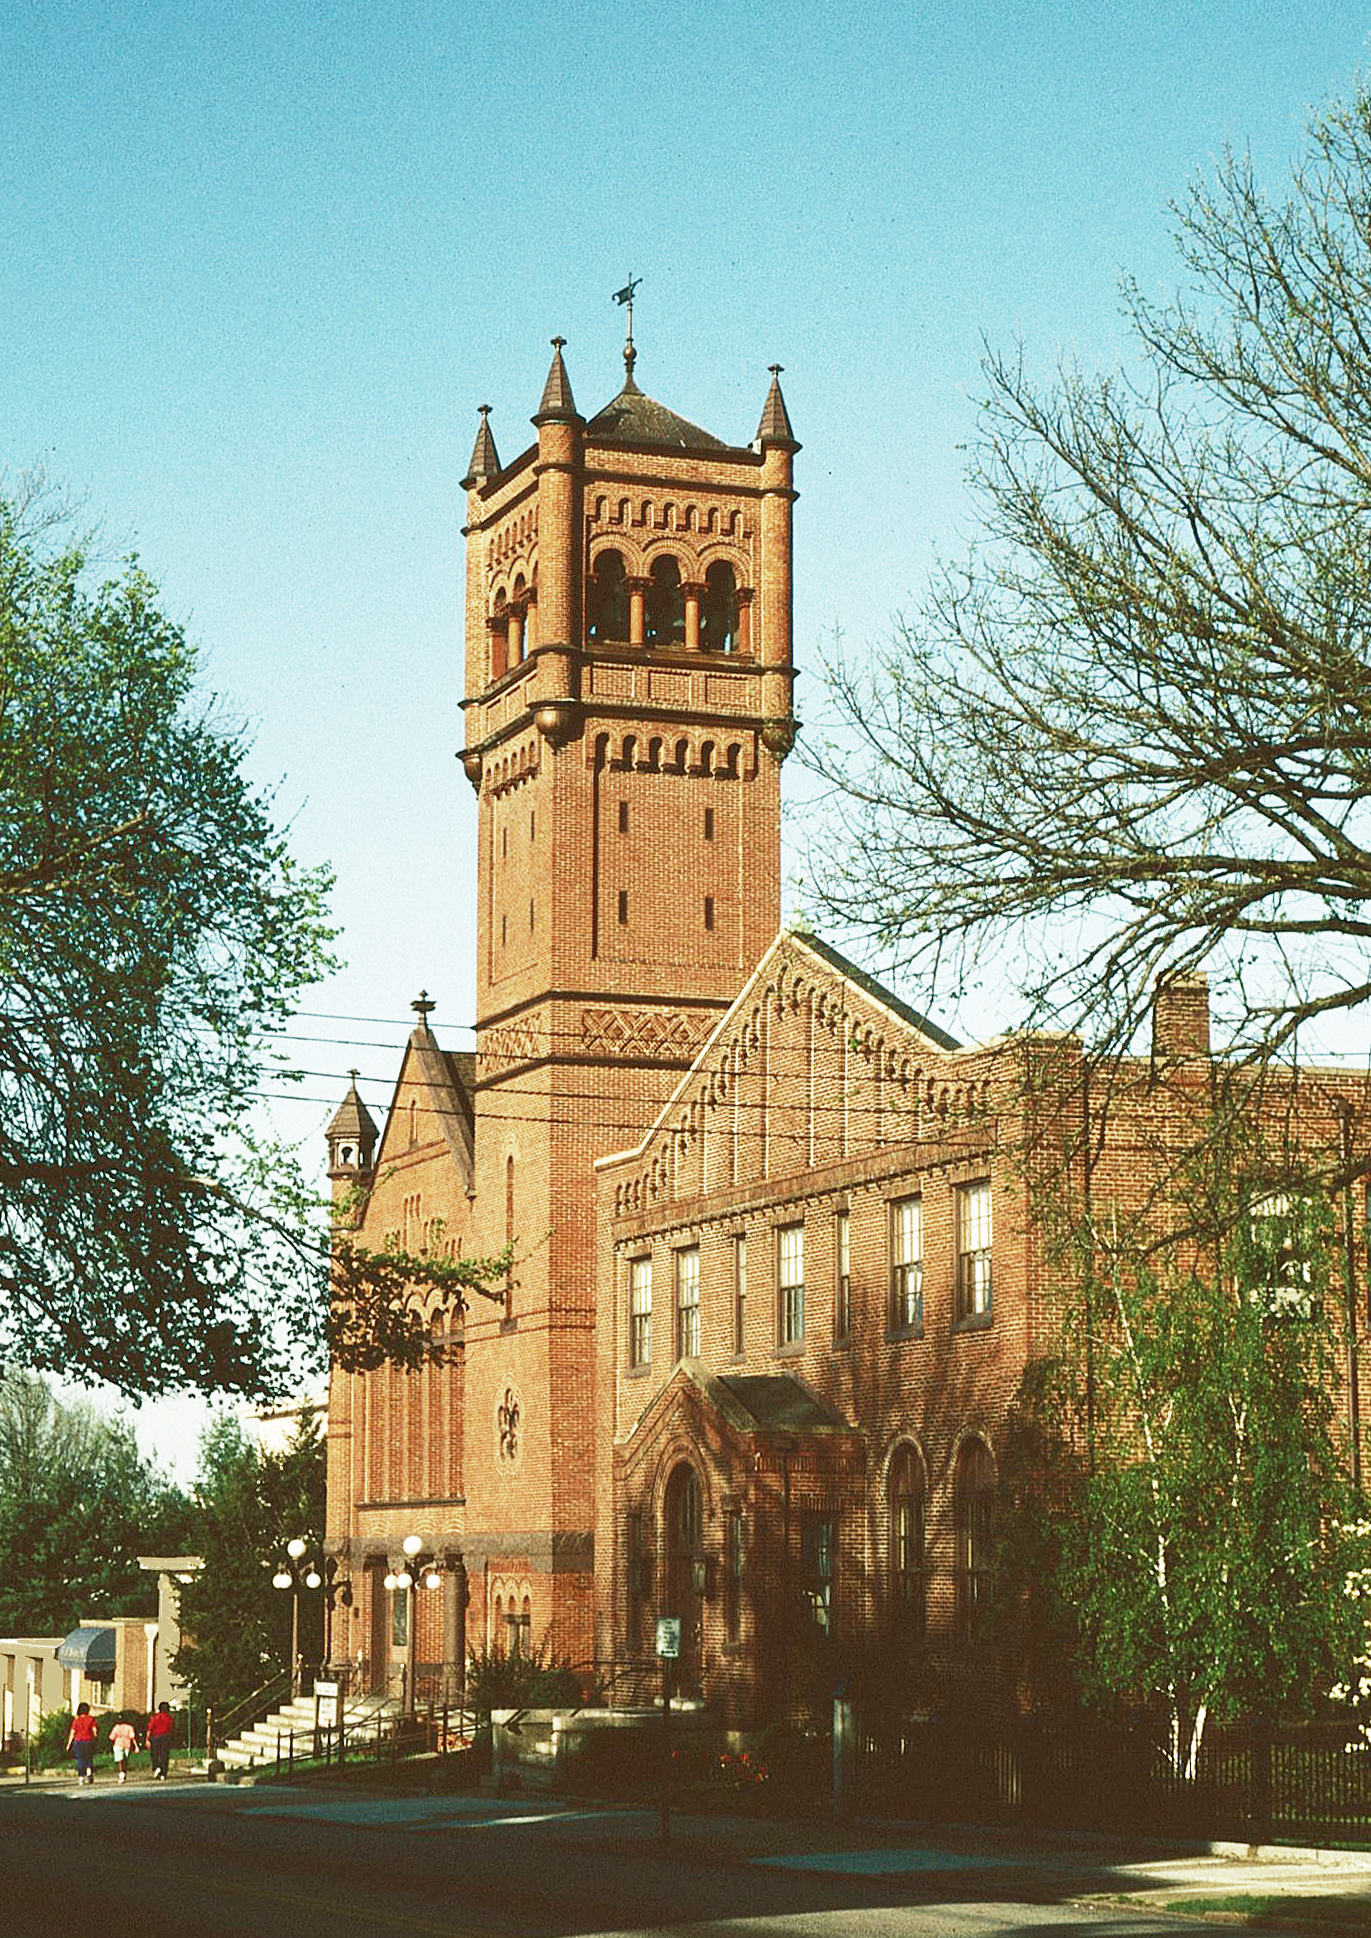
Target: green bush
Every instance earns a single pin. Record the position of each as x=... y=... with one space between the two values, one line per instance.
x=521 y=1679
x=49 y=1741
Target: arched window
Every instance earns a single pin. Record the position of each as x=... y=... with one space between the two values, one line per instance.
x=497 y=1632
x=518 y=621
x=607 y=603
x=526 y=1625
x=719 y=609
x=974 y=1507
x=905 y=1499
x=665 y=612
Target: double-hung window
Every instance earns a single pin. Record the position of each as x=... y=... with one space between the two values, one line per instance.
x=842 y=1279
x=974 y=1234
x=640 y=1312
x=790 y=1284
x=906 y=1265
x=688 y=1303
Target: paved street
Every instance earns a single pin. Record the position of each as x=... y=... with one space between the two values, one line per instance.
x=229 y=1863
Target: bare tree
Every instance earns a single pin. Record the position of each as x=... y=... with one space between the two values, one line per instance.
x=1132 y=732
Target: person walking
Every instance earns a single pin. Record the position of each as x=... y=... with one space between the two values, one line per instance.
x=123 y=1740
x=158 y=1738
x=81 y=1743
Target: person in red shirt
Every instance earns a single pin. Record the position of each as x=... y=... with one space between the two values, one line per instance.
x=81 y=1743
x=158 y=1735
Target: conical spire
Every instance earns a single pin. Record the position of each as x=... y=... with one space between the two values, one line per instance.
x=775 y=425
x=485 y=460
x=558 y=402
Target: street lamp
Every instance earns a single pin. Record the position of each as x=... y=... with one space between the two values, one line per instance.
x=299 y=1574
x=415 y=1562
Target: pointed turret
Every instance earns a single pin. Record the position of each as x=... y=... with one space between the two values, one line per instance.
x=558 y=405
x=485 y=460
x=351 y=1138
x=775 y=425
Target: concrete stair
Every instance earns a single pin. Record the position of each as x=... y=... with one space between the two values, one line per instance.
x=363 y=1718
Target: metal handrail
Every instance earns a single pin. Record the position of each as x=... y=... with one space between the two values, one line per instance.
x=218 y=1728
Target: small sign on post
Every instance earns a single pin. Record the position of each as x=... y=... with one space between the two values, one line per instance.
x=669 y=1637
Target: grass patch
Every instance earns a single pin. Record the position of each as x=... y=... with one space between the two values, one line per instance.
x=1331 y=1911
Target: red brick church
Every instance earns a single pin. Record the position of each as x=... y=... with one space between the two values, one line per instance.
x=773 y=1280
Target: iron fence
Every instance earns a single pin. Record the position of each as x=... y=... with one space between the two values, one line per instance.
x=1306 y=1783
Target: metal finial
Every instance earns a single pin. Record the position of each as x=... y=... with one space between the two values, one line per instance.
x=625 y=296
x=353 y=1075
x=775 y=368
x=559 y=343
x=423 y=1006
x=483 y=410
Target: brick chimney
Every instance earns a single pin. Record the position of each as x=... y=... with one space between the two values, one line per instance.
x=1180 y=1015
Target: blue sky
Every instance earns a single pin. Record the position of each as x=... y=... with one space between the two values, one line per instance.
x=262 y=262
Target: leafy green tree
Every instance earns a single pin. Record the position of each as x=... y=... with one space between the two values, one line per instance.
x=1130 y=730
x=78 y=1505
x=236 y=1627
x=152 y=928
x=154 y=931
x=1193 y=1525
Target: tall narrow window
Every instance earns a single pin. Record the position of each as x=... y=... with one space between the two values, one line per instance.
x=623 y=907
x=532 y=824
x=790 y=1284
x=709 y=911
x=623 y=817
x=818 y=1566
x=906 y=1505
x=709 y=824
x=640 y=1312
x=906 y=1266
x=509 y=1234
x=733 y=1575
x=740 y=1295
x=504 y=931
x=974 y=1251
x=1280 y=1228
x=973 y=1495
x=842 y=1278
x=688 y=1303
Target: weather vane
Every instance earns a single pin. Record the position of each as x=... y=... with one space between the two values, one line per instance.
x=625 y=296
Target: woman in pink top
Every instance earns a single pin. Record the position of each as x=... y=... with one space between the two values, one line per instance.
x=123 y=1740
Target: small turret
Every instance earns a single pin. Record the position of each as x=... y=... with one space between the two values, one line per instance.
x=558 y=404
x=485 y=460
x=775 y=425
x=351 y=1140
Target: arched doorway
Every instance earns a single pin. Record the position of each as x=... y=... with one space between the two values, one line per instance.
x=685 y=1567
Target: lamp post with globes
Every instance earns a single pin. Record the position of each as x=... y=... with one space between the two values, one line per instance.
x=299 y=1574
x=415 y=1563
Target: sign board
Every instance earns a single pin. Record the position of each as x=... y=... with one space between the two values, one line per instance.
x=328 y=1704
x=669 y=1636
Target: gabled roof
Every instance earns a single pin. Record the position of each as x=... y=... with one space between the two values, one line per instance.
x=747 y=1403
x=877 y=991
x=824 y=961
x=449 y=1077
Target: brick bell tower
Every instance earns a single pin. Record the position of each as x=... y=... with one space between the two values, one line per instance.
x=628 y=707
